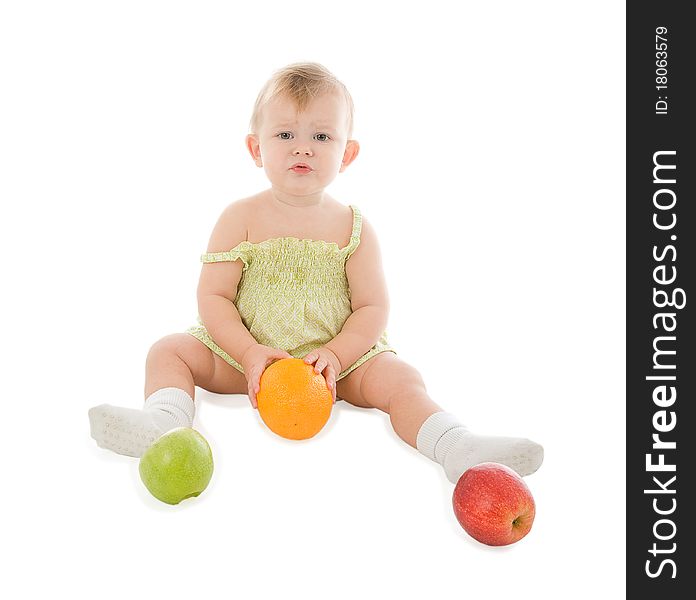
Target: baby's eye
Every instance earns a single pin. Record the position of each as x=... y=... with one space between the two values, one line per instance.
x=322 y=137
x=285 y=135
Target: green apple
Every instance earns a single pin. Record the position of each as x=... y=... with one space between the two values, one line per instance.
x=177 y=466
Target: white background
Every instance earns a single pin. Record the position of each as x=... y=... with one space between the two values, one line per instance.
x=492 y=167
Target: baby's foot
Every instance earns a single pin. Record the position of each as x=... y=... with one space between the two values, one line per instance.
x=130 y=431
x=127 y=430
x=521 y=455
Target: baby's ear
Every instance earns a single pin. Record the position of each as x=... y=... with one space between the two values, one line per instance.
x=350 y=154
x=252 y=144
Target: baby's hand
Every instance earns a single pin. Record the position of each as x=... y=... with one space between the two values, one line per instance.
x=254 y=363
x=326 y=363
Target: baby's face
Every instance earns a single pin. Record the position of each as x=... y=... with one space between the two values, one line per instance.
x=316 y=137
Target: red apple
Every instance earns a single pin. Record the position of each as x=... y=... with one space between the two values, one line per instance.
x=493 y=504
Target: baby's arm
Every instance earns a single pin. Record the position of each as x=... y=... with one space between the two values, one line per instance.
x=217 y=287
x=217 y=290
x=369 y=301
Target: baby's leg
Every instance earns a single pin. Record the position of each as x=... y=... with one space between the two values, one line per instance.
x=174 y=366
x=395 y=387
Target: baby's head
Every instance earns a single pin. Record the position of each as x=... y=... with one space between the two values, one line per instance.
x=301 y=128
x=300 y=83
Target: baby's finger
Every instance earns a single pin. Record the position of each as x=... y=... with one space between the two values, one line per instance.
x=330 y=376
x=310 y=358
x=254 y=384
x=321 y=365
x=252 y=396
x=277 y=355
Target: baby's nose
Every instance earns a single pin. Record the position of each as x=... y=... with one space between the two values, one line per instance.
x=306 y=150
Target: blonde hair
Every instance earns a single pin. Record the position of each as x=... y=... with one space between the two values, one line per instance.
x=300 y=82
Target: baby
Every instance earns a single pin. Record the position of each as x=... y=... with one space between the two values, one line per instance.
x=291 y=272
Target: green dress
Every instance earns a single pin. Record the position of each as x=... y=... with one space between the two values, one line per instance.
x=293 y=294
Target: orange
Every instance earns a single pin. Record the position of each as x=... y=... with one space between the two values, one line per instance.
x=293 y=400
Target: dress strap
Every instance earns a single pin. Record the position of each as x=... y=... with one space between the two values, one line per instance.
x=355 y=233
x=239 y=252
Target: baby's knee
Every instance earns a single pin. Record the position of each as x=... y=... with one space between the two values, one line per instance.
x=184 y=347
x=393 y=377
x=406 y=376
x=169 y=345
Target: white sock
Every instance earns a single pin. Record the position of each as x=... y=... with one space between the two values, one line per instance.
x=130 y=431
x=443 y=439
